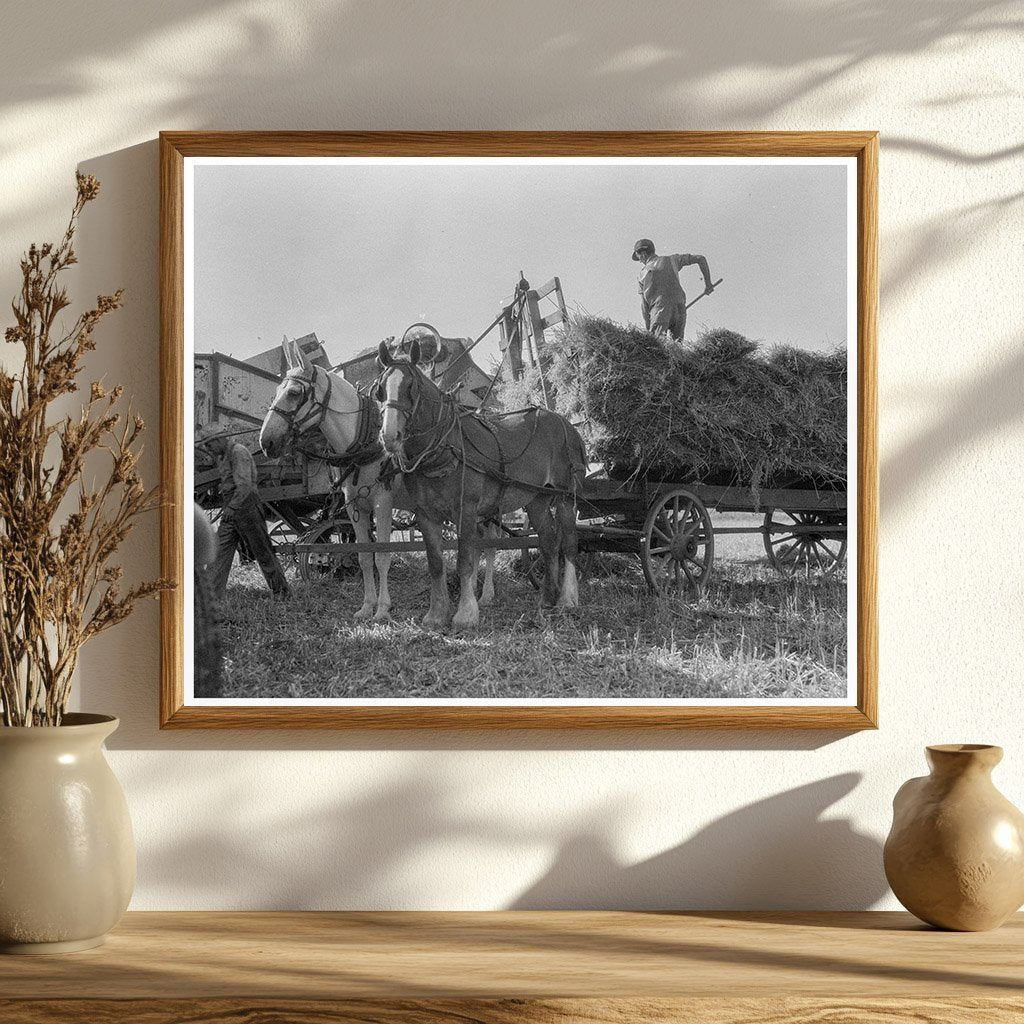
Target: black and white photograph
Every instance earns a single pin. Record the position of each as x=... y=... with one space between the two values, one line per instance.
x=521 y=431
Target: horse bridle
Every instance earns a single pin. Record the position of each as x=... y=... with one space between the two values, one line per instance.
x=298 y=424
x=409 y=410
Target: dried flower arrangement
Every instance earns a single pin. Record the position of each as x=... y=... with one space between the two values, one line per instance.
x=57 y=532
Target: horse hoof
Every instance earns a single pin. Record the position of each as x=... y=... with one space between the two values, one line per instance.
x=429 y=622
x=486 y=600
x=363 y=614
x=382 y=617
x=465 y=625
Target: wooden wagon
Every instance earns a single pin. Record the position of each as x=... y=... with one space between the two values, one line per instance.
x=667 y=523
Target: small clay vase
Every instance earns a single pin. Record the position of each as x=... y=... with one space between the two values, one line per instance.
x=955 y=854
x=67 y=857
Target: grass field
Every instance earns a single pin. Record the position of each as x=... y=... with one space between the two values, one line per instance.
x=751 y=634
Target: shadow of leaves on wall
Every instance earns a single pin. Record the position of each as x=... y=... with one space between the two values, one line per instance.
x=989 y=404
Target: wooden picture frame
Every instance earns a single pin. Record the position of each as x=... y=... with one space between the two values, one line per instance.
x=178 y=147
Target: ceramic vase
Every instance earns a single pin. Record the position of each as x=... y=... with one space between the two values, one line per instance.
x=955 y=855
x=67 y=855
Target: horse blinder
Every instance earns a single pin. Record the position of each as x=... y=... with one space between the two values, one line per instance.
x=294 y=419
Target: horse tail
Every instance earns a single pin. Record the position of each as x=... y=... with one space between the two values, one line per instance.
x=577 y=455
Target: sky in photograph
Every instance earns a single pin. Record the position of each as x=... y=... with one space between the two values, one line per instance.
x=357 y=252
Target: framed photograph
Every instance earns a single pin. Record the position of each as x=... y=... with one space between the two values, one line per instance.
x=519 y=430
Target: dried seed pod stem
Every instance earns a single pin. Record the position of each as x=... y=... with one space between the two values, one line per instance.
x=58 y=587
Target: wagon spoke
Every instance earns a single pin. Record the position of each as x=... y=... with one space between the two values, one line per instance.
x=788 y=553
x=808 y=551
x=817 y=555
x=688 y=532
x=793 y=560
x=813 y=560
x=660 y=551
x=832 y=552
x=697 y=563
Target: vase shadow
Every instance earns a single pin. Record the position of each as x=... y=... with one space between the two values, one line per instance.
x=794 y=859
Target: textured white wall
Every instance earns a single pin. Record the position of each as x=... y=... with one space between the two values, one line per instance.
x=754 y=820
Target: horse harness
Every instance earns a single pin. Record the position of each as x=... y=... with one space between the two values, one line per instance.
x=365 y=447
x=439 y=459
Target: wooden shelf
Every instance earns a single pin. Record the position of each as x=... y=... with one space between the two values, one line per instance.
x=507 y=968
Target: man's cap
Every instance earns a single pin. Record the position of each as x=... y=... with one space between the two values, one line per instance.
x=642 y=243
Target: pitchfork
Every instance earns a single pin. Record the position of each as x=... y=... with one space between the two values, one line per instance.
x=714 y=284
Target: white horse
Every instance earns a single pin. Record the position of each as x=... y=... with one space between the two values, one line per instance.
x=311 y=397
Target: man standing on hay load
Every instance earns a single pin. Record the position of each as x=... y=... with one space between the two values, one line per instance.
x=242 y=518
x=662 y=298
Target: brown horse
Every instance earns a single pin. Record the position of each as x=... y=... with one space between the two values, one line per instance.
x=464 y=467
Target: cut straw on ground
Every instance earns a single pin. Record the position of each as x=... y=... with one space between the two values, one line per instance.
x=751 y=635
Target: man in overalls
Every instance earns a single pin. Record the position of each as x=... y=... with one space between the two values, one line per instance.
x=242 y=518
x=662 y=299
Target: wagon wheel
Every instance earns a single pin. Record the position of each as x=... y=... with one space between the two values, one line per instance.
x=677 y=547
x=801 y=552
x=316 y=565
x=283 y=537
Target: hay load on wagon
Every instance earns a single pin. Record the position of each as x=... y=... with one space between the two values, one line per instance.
x=723 y=410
